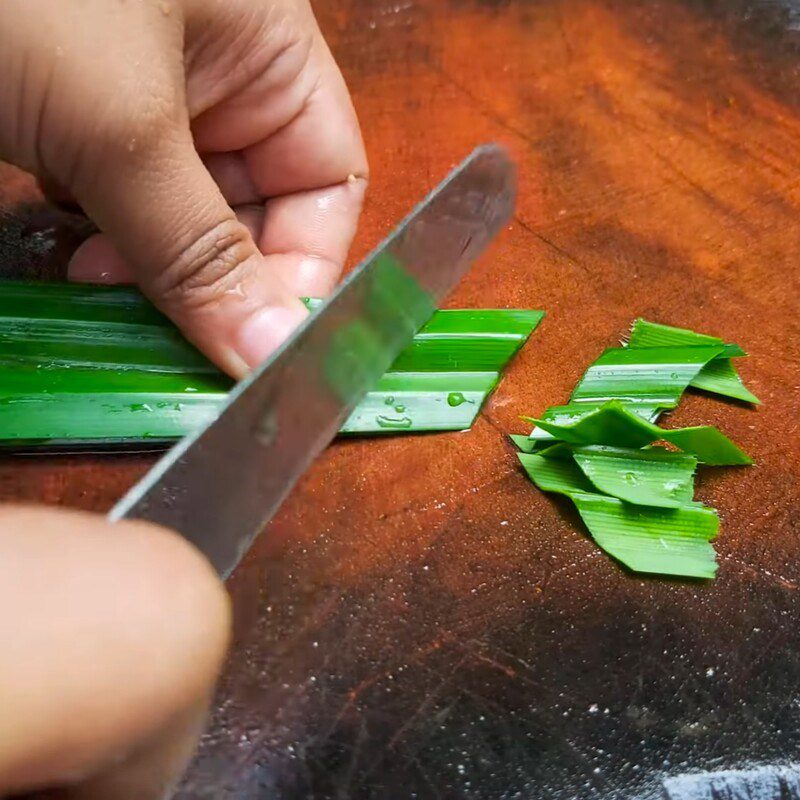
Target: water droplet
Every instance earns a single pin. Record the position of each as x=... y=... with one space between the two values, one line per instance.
x=630 y=477
x=674 y=376
x=389 y=401
x=393 y=422
x=399 y=409
x=456 y=399
x=141 y=407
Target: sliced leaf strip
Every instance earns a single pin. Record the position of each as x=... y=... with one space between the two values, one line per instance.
x=652 y=477
x=615 y=425
x=575 y=411
x=637 y=498
x=523 y=442
x=645 y=539
x=555 y=474
x=653 y=375
x=654 y=334
x=657 y=540
x=718 y=376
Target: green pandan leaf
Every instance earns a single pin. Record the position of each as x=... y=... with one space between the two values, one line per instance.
x=654 y=375
x=572 y=412
x=651 y=477
x=468 y=340
x=654 y=334
x=666 y=541
x=523 y=442
x=555 y=474
x=616 y=425
x=719 y=376
x=663 y=541
x=86 y=364
x=422 y=401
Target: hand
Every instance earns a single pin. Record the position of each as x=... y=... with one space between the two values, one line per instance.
x=162 y=119
x=111 y=637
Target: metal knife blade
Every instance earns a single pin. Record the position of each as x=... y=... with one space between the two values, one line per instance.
x=221 y=485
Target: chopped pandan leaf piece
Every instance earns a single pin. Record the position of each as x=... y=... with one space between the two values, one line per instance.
x=616 y=425
x=556 y=449
x=555 y=474
x=654 y=375
x=574 y=411
x=663 y=541
x=654 y=334
x=651 y=477
x=718 y=376
x=313 y=303
x=523 y=442
x=646 y=539
x=709 y=444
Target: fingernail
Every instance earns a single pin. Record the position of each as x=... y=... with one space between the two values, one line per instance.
x=266 y=330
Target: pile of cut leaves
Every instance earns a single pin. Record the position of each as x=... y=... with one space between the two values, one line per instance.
x=602 y=450
x=84 y=365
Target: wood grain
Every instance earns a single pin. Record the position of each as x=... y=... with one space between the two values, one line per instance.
x=421 y=622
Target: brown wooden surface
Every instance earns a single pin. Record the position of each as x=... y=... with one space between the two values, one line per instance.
x=420 y=621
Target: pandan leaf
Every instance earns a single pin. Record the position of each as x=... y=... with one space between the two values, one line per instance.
x=572 y=412
x=78 y=302
x=653 y=375
x=523 y=442
x=422 y=401
x=664 y=541
x=555 y=474
x=468 y=341
x=651 y=477
x=49 y=343
x=718 y=376
x=615 y=425
x=645 y=539
x=83 y=406
x=654 y=334
x=82 y=364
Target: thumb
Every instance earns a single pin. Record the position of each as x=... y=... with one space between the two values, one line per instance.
x=192 y=257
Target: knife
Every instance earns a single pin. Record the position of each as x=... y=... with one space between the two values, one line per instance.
x=221 y=485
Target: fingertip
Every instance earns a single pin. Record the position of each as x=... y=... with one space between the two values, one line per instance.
x=261 y=334
x=97 y=261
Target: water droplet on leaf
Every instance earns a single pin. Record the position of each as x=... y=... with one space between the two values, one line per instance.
x=397 y=423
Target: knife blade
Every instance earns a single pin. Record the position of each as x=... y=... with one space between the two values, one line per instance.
x=220 y=486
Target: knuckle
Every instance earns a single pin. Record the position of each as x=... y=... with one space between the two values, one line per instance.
x=204 y=270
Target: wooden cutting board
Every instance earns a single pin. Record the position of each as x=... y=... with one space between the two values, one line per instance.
x=420 y=621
